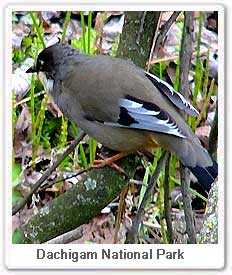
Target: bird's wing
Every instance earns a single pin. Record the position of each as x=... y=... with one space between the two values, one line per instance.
x=124 y=100
x=176 y=98
x=139 y=114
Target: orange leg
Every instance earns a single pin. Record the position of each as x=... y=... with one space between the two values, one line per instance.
x=99 y=163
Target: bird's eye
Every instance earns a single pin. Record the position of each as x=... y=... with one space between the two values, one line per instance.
x=40 y=64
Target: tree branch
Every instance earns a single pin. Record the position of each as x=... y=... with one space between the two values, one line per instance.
x=35 y=187
x=67 y=237
x=137 y=36
x=185 y=60
x=167 y=202
x=164 y=29
x=213 y=136
x=78 y=205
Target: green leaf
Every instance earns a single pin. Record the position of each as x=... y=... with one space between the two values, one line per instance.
x=16 y=196
x=16 y=171
x=92 y=150
x=27 y=41
x=17 y=236
x=83 y=157
x=80 y=44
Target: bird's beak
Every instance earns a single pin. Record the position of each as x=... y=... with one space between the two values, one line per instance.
x=31 y=70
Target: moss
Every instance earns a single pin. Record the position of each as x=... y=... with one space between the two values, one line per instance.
x=79 y=204
x=137 y=36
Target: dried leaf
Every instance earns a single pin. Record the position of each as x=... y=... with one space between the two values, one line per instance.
x=22 y=133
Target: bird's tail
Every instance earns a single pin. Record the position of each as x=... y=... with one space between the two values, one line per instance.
x=192 y=155
x=205 y=175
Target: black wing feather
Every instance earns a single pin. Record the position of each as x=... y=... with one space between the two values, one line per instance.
x=176 y=98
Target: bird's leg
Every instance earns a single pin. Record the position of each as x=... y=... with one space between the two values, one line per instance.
x=99 y=163
x=108 y=161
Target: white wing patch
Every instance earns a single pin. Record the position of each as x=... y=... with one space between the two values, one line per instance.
x=136 y=108
x=138 y=114
x=176 y=98
x=152 y=123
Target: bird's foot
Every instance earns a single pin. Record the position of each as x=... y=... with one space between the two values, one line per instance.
x=100 y=163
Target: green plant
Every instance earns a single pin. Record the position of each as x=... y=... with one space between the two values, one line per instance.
x=16 y=175
x=90 y=49
x=66 y=22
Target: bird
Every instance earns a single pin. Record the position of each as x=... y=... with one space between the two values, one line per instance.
x=123 y=107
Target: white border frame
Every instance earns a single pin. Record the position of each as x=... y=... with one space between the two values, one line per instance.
x=14 y=253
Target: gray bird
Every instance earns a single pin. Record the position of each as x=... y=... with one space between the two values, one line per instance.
x=123 y=107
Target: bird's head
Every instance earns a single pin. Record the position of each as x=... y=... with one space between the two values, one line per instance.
x=45 y=61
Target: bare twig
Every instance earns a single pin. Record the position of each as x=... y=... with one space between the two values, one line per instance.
x=175 y=57
x=133 y=233
x=65 y=178
x=186 y=54
x=188 y=212
x=185 y=59
x=28 y=99
x=137 y=182
x=120 y=211
x=213 y=136
x=202 y=114
x=167 y=204
x=23 y=202
x=153 y=44
x=67 y=237
x=165 y=28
